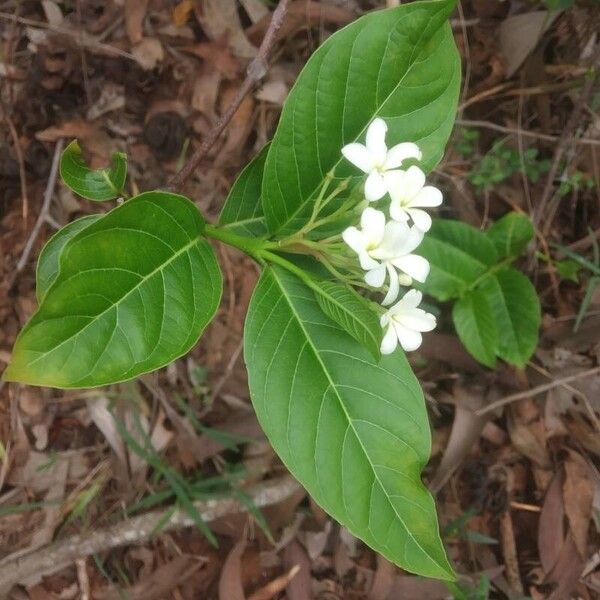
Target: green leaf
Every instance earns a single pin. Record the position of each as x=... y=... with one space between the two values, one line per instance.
x=352 y=312
x=99 y=184
x=47 y=267
x=511 y=234
x=354 y=432
x=476 y=328
x=517 y=313
x=134 y=292
x=400 y=64
x=243 y=211
x=459 y=254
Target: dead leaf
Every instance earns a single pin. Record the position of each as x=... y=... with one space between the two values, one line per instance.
x=417 y=588
x=466 y=429
x=551 y=531
x=206 y=91
x=509 y=552
x=181 y=13
x=524 y=439
x=519 y=35
x=112 y=97
x=217 y=55
x=105 y=422
x=53 y=13
x=158 y=584
x=77 y=128
x=255 y=9
x=566 y=571
x=239 y=127
x=274 y=92
x=135 y=11
x=148 y=53
x=230 y=582
x=578 y=494
x=383 y=582
x=299 y=588
x=219 y=17
x=273 y=588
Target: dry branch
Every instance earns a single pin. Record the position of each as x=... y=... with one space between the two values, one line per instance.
x=52 y=558
x=255 y=72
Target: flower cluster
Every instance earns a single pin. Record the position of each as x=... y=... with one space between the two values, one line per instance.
x=385 y=247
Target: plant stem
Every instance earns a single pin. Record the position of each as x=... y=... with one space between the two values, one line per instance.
x=254 y=247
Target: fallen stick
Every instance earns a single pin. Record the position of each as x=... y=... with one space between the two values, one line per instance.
x=49 y=559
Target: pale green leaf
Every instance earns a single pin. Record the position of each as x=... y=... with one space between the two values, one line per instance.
x=511 y=234
x=243 y=211
x=98 y=184
x=458 y=254
x=351 y=312
x=134 y=292
x=400 y=64
x=47 y=267
x=476 y=327
x=516 y=310
x=353 y=431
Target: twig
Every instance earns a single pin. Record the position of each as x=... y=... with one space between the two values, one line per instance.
x=255 y=72
x=564 y=142
x=540 y=389
x=21 y=161
x=60 y=555
x=48 y=193
x=522 y=132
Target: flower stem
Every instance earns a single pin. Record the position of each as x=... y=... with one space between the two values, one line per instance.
x=254 y=247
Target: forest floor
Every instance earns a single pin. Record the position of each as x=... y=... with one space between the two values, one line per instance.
x=516 y=453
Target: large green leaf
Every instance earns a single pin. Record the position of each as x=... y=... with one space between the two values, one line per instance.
x=400 y=64
x=353 y=431
x=511 y=234
x=99 y=184
x=516 y=309
x=134 y=291
x=459 y=254
x=47 y=267
x=352 y=312
x=476 y=327
x=243 y=211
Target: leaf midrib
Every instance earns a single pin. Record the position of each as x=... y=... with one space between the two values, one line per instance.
x=412 y=63
x=145 y=278
x=350 y=421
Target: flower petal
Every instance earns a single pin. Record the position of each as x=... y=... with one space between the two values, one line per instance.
x=375 y=277
x=428 y=197
x=413 y=182
x=366 y=262
x=401 y=152
x=410 y=300
x=355 y=239
x=394 y=240
x=359 y=156
x=420 y=218
x=389 y=341
x=374 y=187
x=416 y=319
x=409 y=340
x=397 y=212
x=376 y=141
x=372 y=223
x=394 y=288
x=411 y=240
x=415 y=266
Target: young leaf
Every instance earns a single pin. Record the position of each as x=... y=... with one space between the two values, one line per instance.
x=354 y=432
x=476 y=328
x=458 y=254
x=99 y=184
x=511 y=234
x=400 y=64
x=351 y=312
x=243 y=211
x=516 y=310
x=134 y=291
x=47 y=267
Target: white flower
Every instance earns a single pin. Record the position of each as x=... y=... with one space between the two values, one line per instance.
x=384 y=247
x=405 y=322
x=409 y=195
x=375 y=159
